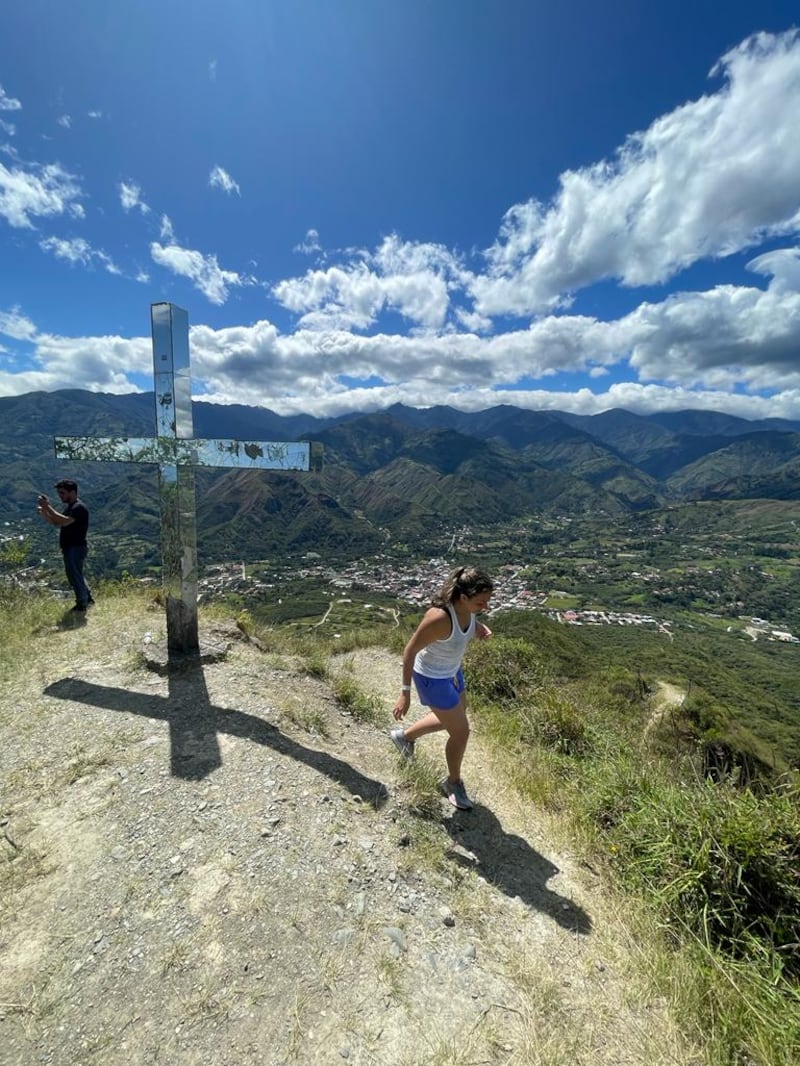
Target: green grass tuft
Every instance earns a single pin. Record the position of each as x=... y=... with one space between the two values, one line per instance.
x=352 y=698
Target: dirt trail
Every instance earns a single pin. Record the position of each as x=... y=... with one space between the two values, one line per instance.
x=220 y=868
x=667 y=697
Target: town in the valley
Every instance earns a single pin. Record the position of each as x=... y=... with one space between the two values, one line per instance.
x=415 y=583
x=410 y=583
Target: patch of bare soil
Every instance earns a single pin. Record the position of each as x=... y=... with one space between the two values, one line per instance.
x=218 y=867
x=667 y=697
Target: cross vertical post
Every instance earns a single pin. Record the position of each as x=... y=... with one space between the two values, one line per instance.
x=173 y=400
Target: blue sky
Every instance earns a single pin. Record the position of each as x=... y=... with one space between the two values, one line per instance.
x=576 y=206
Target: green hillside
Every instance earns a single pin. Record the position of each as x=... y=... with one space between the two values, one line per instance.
x=738 y=693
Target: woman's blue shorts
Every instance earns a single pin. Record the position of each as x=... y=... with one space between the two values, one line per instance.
x=443 y=693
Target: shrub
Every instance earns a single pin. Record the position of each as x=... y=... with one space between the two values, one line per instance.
x=623 y=685
x=612 y=787
x=726 y=862
x=503 y=668
x=556 y=723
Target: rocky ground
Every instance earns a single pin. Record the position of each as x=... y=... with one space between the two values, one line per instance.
x=219 y=866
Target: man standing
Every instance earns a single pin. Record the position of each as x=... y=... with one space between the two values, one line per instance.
x=73 y=524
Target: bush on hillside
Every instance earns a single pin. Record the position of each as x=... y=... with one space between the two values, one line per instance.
x=725 y=862
x=502 y=668
x=728 y=749
x=556 y=722
x=14 y=553
x=624 y=685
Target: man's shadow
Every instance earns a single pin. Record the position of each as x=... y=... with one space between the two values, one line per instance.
x=509 y=863
x=71 y=619
x=194 y=725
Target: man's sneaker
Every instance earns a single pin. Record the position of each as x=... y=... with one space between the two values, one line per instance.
x=405 y=747
x=456 y=793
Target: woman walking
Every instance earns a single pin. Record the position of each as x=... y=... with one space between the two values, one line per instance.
x=432 y=658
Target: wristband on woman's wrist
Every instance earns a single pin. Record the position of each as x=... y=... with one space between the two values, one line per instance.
x=405 y=688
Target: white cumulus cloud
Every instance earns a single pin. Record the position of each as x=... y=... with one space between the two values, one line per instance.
x=31 y=191
x=15 y=324
x=130 y=196
x=713 y=177
x=98 y=364
x=77 y=250
x=221 y=179
x=411 y=278
x=8 y=103
x=310 y=244
x=782 y=265
x=203 y=271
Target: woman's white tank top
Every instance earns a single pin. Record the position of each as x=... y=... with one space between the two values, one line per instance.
x=443 y=657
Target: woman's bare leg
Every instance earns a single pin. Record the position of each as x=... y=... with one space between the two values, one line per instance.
x=428 y=724
x=456 y=723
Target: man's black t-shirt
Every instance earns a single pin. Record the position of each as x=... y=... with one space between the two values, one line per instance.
x=74 y=535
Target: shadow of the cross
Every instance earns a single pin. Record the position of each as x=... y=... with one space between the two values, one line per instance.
x=195 y=723
x=508 y=862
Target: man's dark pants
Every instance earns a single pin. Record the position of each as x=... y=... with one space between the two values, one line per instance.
x=74 y=558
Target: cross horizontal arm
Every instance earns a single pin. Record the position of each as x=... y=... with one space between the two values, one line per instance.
x=171 y=451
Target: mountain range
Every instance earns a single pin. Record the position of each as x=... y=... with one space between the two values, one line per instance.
x=401 y=473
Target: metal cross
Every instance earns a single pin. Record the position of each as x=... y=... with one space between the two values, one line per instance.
x=177 y=453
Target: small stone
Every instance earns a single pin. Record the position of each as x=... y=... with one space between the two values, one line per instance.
x=397 y=936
